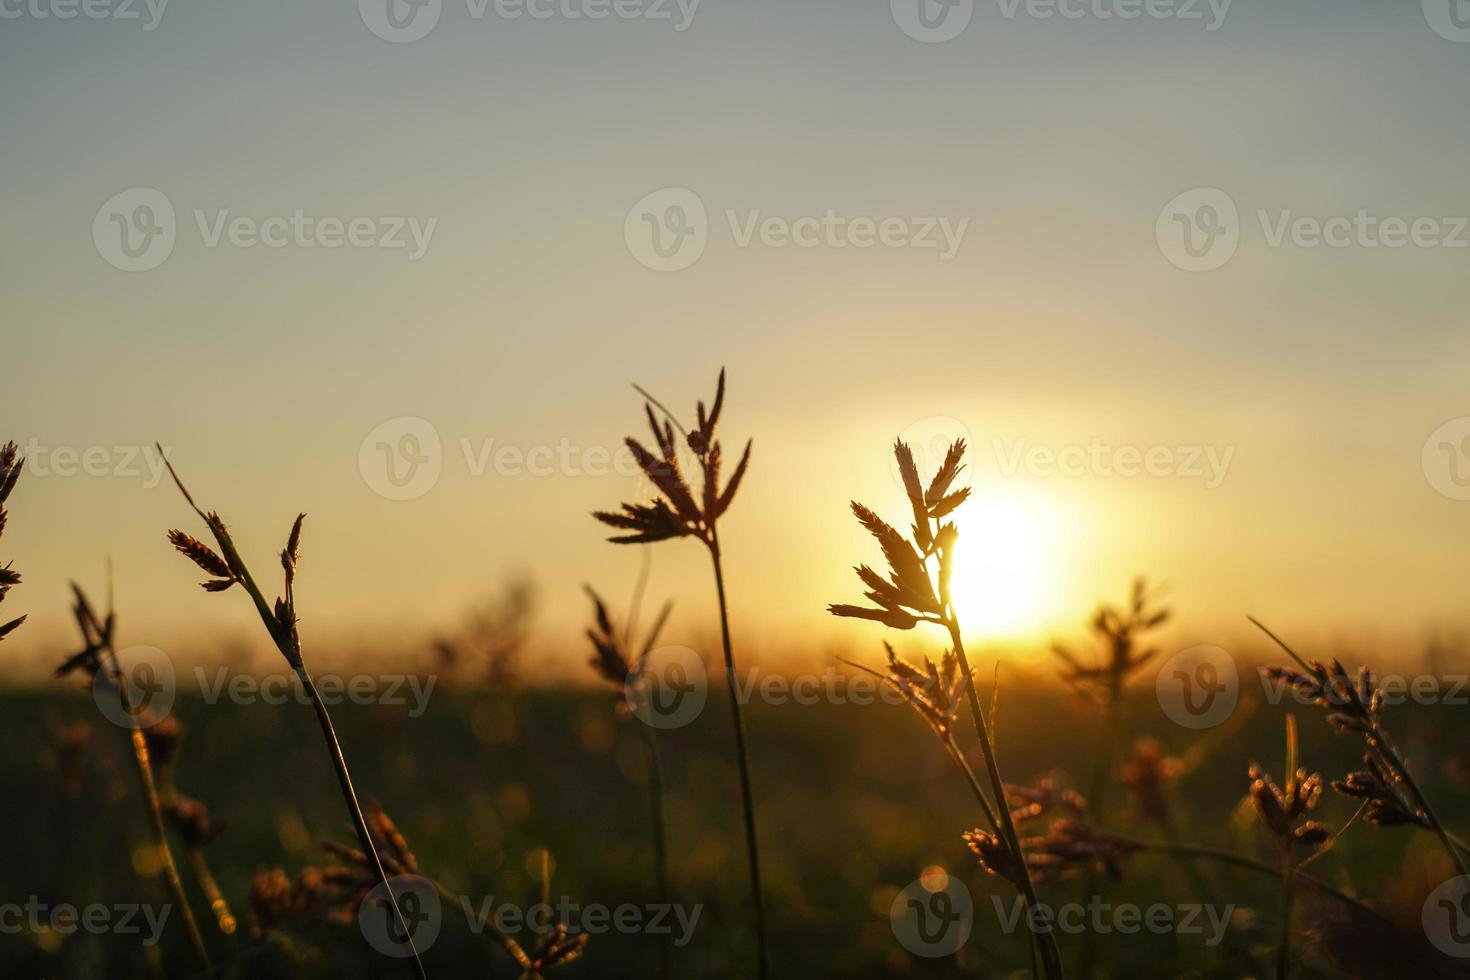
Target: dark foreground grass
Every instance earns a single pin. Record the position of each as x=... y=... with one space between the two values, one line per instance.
x=855 y=801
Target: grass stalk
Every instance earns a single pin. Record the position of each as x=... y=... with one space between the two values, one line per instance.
x=660 y=843
x=1051 y=955
x=737 y=714
x=160 y=840
x=1283 y=945
x=282 y=630
x=149 y=784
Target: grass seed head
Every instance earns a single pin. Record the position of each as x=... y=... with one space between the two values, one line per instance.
x=678 y=512
x=11 y=463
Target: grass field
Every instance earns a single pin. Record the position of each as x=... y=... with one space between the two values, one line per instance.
x=854 y=800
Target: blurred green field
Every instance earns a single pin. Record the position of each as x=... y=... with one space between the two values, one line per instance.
x=854 y=800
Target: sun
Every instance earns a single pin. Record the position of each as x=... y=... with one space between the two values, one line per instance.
x=1006 y=563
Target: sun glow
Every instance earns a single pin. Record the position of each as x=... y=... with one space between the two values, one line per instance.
x=1006 y=574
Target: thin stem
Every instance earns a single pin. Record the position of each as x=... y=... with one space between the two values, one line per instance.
x=217 y=903
x=660 y=842
x=737 y=713
x=1050 y=953
x=165 y=853
x=486 y=922
x=1379 y=739
x=344 y=779
x=289 y=643
x=1241 y=861
x=151 y=797
x=1283 y=945
x=974 y=781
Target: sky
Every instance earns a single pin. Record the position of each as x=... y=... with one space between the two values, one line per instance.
x=285 y=239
